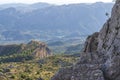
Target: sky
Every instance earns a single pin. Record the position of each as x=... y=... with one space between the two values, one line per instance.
x=52 y=1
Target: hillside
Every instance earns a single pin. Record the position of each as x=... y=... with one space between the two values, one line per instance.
x=35 y=69
x=66 y=46
x=51 y=22
x=21 y=52
x=74 y=49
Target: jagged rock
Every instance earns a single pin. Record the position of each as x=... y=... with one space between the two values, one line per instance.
x=109 y=44
x=87 y=68
x=64 y=71
x=40 y=79
x=87 y=72
x=42 y=51
x=91 y=43
x=36 y=48
x=101 y=57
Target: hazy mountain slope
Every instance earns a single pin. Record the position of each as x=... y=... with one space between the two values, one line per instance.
x=63 y=17
x=21 y=6
x=67 y=17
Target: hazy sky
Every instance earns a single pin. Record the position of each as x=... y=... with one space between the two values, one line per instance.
x=52 y=1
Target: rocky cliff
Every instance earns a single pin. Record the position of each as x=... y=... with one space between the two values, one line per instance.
x=100 y=59
x=35 y=48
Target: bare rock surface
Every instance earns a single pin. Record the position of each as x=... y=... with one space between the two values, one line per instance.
x=100 y=59
x=36 y=48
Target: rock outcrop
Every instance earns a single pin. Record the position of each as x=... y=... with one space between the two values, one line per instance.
x=41 y=50
x=100 y=59
x=36 y=48
x=91 y=43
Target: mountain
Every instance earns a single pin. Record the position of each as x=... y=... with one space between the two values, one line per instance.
x=100 y=59
x=34 y=48
x=23 y=7
x=40 y=5
x=15 y=5
x=74 y=49
x=69 y=46
x=49 y=22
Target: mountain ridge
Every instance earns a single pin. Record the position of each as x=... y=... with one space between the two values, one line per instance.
x=65 y=18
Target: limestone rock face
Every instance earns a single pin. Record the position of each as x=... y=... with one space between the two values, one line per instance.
x=109 y=44
x=100 y=59
x=42 y=51
x=36 y=48
x=64 y=74
x=91 y=43
x=88 y=67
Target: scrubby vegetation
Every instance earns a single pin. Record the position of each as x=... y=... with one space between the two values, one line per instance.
x=34 y=69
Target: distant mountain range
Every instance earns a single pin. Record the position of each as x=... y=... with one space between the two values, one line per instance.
x=48 y=22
